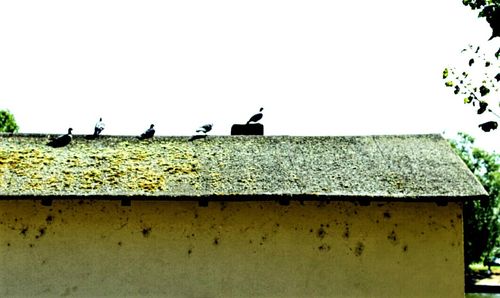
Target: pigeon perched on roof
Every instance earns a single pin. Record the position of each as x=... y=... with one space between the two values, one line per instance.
x=202 y=132
x=205 y=128
x=256 y=117
x=99 y=127
x=61 y=141
x=148 y=133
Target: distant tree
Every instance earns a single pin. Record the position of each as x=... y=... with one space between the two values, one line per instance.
x=7 y=122
x=478 y=85
x=481 y=217
x=489 y=9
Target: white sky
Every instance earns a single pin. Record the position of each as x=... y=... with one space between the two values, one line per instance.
x=317 y=67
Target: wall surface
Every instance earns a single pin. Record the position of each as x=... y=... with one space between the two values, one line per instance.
x=178 y=249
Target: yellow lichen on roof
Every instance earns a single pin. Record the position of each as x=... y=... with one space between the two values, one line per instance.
x=100 y=166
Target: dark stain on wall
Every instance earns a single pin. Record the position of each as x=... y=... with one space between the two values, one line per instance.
x=392 y=236
x=324 y=247
x=41 y=232
x=387 y=215
x=346 y=232
x=405 y=248
x=321 y=233
x=146 y=231
x=49 y=219
x=24 y=231
x=358 y=251
x=216 y=241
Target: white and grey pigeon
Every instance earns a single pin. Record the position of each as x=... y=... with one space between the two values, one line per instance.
x=62 y=141
x=148 y=133
x=205 y=128
x=202 y=132
x=99 y=127
x=256 y=117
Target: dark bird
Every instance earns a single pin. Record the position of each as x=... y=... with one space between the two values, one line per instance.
x=99 y=127
x=61 y=141
x=256 y=117
x=205 y=128
x=487 y=126
x=148 y=133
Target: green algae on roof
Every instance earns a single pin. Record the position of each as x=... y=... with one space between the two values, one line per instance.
x=403 y=167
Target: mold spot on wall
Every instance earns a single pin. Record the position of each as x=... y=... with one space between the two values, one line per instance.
x=23 y=231
x=41 y=232
x=321 y=233
x=190 y=251
x=216 y=241
x=8 y=244
x=49 y=219
x=120 y=243
x=146 y=232
x=31 y=245
x=324 y=247
x=392 y=236
x=405 y=248
x=387 y=215
x=346 y=232
x=358 y=251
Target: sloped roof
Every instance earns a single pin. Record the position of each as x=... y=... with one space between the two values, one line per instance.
x=415 y=167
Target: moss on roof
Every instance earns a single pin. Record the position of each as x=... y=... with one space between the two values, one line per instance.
x=403 y=167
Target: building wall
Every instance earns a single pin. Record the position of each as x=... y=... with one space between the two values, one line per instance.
x=95 y=248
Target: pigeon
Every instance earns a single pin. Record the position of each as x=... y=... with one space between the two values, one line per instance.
x=61 y=141
x=202 y=132
x=99 y=127
x=487 y=126
x=256 y=117
x=205 y=128
x=148 y=133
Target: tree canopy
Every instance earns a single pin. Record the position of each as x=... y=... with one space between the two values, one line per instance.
x=489 y=9
x=7 y=122
x=481 y=218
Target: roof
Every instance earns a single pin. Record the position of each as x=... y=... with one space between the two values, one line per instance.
x=417 y=167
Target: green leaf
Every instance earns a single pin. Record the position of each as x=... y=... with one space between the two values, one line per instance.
x=449 y=84
x=445 y=73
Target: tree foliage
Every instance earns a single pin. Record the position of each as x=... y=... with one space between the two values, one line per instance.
x=489 y=9
x=478 y=84
x=481 y=217
x=7 y=122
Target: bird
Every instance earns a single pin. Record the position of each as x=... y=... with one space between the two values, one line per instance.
x=202 y=132
x=205 y=128
x=256 y=117
x=487 y=126
x=99 y=127
x=148 y=133
x=61 y=141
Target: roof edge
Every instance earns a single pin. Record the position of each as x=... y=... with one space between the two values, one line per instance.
x=248 y=197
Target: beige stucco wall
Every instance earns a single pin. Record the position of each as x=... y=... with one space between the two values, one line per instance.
x=96 y=248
